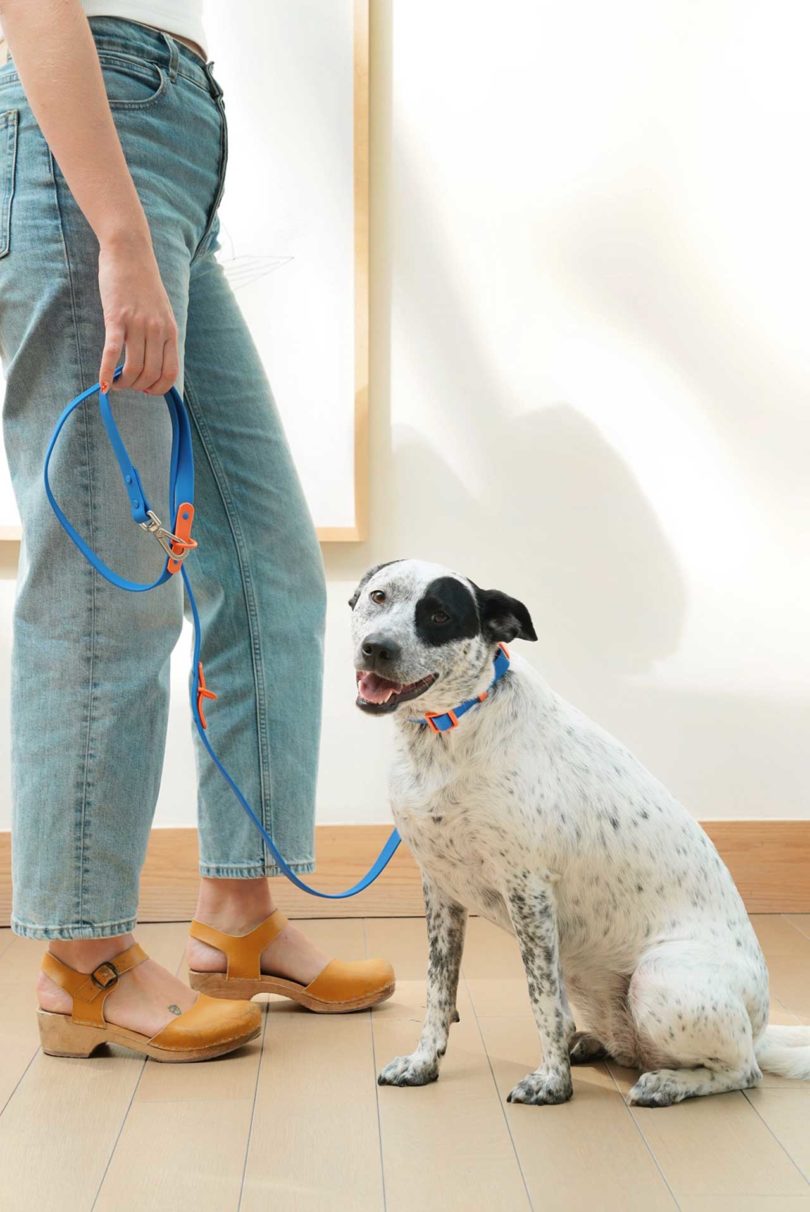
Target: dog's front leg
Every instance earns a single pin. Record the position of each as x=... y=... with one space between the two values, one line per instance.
x=532 y=910
x=446 y=924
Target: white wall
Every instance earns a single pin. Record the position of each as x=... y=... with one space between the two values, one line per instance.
x=589 y=374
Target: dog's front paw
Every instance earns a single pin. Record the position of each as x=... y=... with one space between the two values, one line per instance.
x=544 y=1087
x=413 y=1070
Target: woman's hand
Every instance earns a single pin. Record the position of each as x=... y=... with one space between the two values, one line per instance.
x=55 y=55
x=138 y=315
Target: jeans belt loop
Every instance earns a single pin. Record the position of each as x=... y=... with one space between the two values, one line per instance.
x=216 y=91
x=174 y=54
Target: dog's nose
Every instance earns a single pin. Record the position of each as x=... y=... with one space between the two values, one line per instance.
x=380 y=648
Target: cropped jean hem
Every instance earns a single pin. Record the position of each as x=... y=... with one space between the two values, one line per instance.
x=103 y=930
x=253 y=871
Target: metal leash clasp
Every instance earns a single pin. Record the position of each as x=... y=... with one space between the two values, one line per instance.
x=176 y=546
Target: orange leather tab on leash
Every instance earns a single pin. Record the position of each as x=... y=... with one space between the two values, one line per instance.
x=181 y=539
x=202 y=693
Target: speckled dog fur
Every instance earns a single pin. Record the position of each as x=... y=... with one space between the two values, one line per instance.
x=534 y=817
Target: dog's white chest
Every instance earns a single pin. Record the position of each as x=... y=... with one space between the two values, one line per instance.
x=457 y=829
x=458 y=859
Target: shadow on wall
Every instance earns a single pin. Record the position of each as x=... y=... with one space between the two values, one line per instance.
x=555 y=516
x=561 y=521
x=694 y=318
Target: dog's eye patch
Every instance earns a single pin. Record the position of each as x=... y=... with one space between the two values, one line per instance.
x=450 y=600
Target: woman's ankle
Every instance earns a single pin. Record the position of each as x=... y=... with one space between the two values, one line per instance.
x=85 y=954
x=234 y=906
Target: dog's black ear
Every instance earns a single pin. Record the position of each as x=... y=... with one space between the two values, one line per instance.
x=371 y=572
x=503 y=618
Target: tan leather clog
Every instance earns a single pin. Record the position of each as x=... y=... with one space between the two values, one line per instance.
x=338 y=988
x=209 y=1028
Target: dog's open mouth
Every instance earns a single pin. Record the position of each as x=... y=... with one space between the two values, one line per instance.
x=379 y=694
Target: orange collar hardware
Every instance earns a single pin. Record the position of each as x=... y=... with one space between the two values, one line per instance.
x=202 y=693
x=445 y=721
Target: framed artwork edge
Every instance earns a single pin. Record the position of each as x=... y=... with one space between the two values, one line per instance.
x=357 y=532
x=326 y=534
x=361 y=276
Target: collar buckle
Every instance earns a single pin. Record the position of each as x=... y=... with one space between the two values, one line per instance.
x=444 y=721
x=450 y=717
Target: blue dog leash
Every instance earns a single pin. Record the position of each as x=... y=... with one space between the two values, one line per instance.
x=177 y=544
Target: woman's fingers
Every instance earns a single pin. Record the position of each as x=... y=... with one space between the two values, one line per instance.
x=154 y=340
x=135 y=342
x=113 y=345
x=161 y=358
x=171 y=368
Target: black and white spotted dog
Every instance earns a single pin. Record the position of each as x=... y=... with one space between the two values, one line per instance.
x=532 y=816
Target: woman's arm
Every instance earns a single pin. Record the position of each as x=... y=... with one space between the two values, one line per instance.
x=54 y=53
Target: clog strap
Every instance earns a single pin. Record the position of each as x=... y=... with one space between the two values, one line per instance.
x=90 y=990
x=243 y=952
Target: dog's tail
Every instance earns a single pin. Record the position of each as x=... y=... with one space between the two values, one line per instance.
x=785 y=1051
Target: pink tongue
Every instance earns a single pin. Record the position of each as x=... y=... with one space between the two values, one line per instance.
x=375 y=689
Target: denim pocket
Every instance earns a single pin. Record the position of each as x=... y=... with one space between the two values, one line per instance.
x=8 y=165
x=131 y=83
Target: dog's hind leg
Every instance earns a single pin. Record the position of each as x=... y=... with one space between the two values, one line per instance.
x=585 y=1048
x=693 y=1026
x=600 y=1000
x=446 y=925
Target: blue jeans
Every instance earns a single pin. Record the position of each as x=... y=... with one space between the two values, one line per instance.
x=90 y=663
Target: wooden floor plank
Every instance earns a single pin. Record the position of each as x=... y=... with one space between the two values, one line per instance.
x=402 y=941
x=184 y=1154
x=490 y=953
x=325 y=1149
x=584 y=1155
x=509 y=995
x=786 y=1111
x=19 y=964
x=801 y=921
x=745 y=1203
x=714 y=1146
x=454 y=1127
x=787 y=952
x=315 y=1137
x=61 y=1126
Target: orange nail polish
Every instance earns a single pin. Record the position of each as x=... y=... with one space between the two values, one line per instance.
x=105 y=387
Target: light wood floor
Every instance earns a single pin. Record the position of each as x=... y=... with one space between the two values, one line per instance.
x=299 y=1122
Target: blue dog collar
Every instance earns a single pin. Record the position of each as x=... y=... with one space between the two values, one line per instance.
x=446 y=720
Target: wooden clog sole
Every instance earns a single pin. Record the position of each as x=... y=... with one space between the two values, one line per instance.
x=217 y=984
x=60 y=1036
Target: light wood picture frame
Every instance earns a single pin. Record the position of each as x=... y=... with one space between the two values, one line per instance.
x=350 y=21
